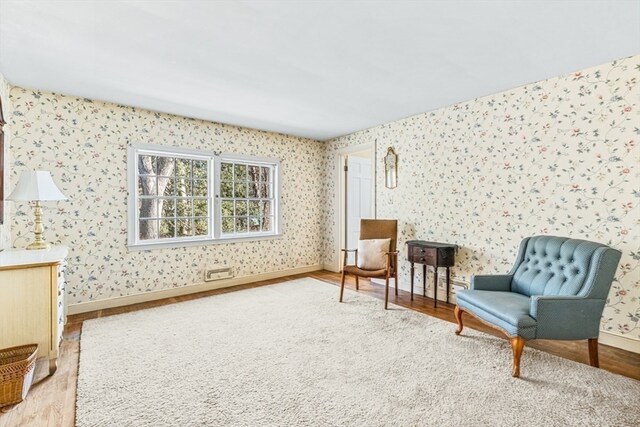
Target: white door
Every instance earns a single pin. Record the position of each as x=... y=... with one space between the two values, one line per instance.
x=359 y=190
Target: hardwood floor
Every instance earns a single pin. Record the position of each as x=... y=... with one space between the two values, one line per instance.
x=51 y=401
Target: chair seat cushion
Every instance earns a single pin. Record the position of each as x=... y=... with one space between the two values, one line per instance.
x=352 y=269
x=507 y=310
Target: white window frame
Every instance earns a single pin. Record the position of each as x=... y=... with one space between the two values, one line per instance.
x=215 y=235
x=254 y=161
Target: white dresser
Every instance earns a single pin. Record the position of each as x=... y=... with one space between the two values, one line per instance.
x=32 y=299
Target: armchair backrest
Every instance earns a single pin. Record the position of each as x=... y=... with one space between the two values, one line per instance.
x=548 y=265
x=380 y=229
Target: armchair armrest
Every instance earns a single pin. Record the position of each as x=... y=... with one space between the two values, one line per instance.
x=492 y=282
x=392 y=254
x=392 y=266
x=345 y=252
x=566 y=317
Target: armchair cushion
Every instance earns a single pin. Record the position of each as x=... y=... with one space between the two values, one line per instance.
x=372 y=254
x=507 y=310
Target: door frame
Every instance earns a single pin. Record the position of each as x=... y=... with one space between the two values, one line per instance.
x=341 y=158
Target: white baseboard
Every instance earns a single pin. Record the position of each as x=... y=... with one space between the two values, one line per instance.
x=84 y=307
x=619 y=341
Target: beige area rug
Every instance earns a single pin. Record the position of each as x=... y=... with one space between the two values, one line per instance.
x=291 y=355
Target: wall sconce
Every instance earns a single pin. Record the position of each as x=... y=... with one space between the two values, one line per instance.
x=391 y=169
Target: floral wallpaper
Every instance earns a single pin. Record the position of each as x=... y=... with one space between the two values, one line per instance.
x=558 y=157
x=84 y=144
x=5 y=236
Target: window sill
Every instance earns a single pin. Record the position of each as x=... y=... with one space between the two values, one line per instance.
x=205 y=242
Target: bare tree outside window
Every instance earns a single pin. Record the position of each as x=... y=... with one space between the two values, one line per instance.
x=173 y=197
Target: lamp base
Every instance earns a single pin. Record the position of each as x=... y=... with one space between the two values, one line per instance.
x=38 y=245
x=39 y=242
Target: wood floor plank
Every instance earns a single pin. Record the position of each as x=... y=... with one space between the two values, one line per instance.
x=52 y=400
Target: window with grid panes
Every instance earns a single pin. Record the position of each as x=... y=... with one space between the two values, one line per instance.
x=175 y=198
x=246 y=197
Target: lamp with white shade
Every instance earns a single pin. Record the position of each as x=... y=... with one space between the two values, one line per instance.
x=37 y=186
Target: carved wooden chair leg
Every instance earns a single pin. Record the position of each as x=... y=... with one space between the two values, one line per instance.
x=517 y=344
x=458 y=313
x=342 y=286
x=357 y=284
x=386 y=292
x=593 y=352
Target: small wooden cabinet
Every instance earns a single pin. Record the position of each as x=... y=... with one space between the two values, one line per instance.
x=434 y=254
x=32 y=300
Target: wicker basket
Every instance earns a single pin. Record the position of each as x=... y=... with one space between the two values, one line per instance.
x=17 y=365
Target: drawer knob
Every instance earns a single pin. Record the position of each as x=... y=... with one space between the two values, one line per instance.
x=421 y=259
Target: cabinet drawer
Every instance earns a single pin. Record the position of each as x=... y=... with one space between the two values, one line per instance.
x=422 y=255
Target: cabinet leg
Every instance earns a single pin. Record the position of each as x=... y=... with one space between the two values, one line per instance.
x=435 y=287
x=424 y=280
x=448 y=283
x=412 y=271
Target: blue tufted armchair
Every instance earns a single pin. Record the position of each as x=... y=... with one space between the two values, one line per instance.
x=556 y=290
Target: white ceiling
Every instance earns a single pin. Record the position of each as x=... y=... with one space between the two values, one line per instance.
x=317 y=69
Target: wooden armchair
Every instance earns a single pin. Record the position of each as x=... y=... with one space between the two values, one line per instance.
x=375 y=229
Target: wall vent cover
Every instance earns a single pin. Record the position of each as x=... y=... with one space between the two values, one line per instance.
x=217 y=273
